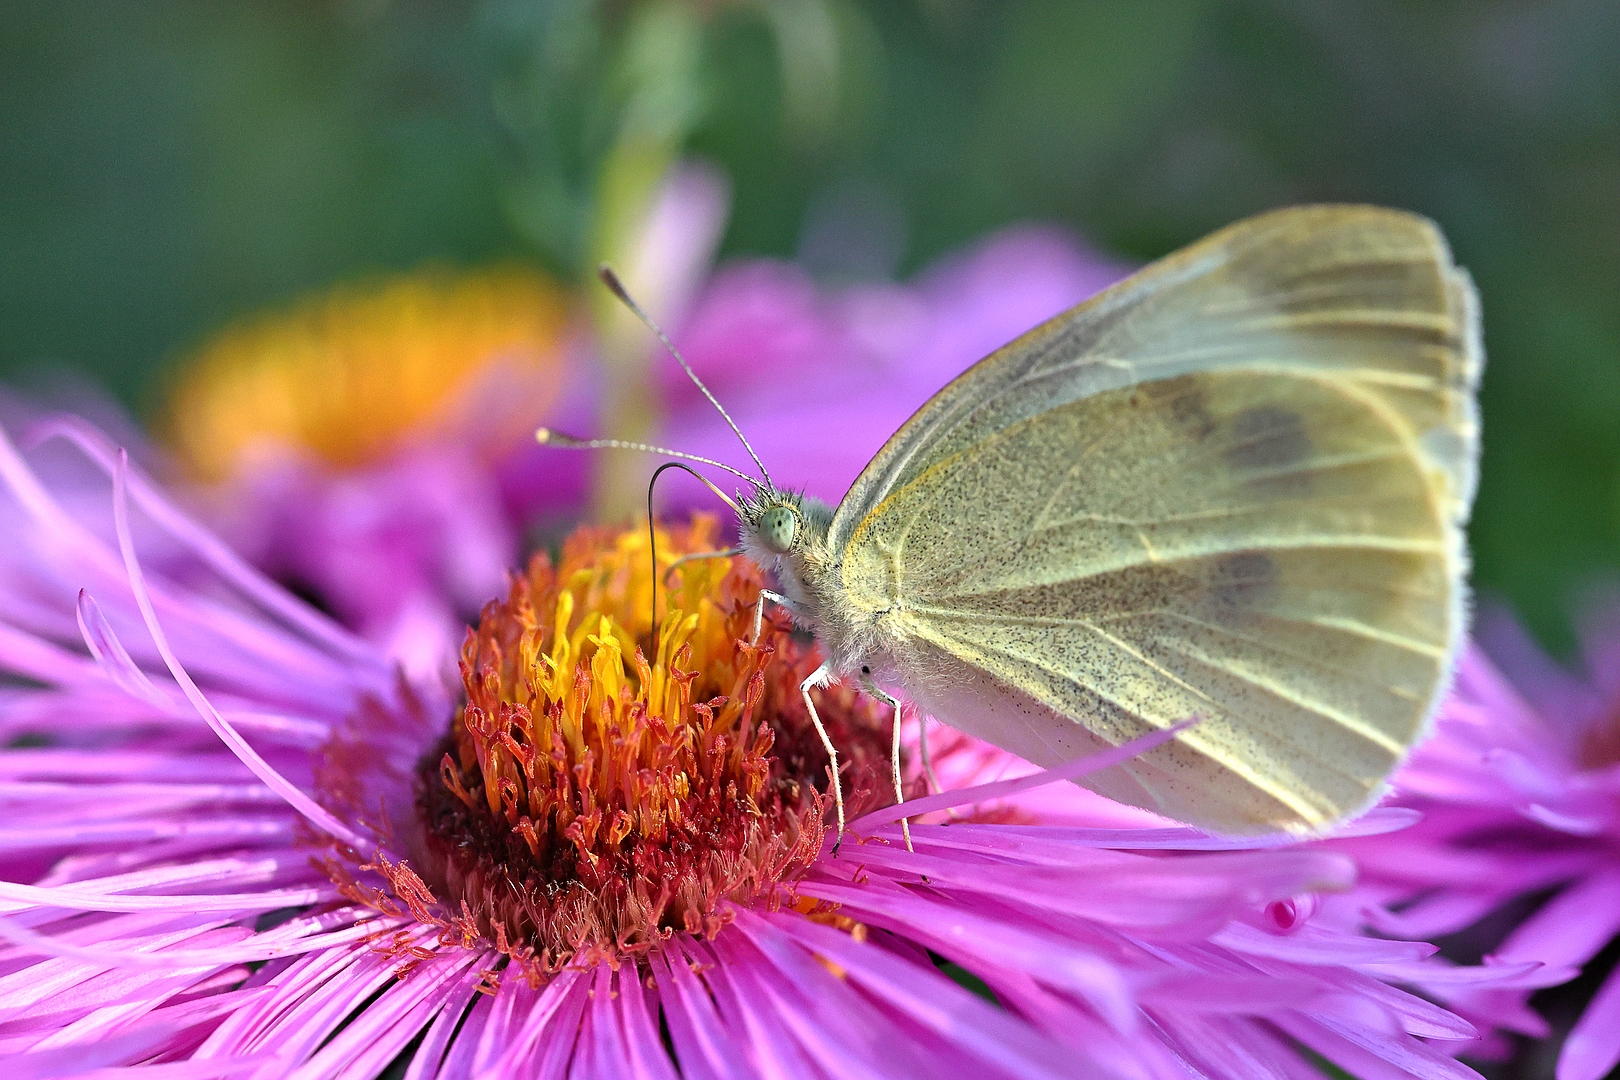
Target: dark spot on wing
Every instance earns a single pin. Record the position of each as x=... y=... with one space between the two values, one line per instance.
x=1267 y=437
x=1187 y=405
x=1242 y=577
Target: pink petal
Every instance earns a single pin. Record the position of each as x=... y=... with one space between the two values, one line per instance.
x=298 y=800
x=1005 y=788
x=934 y=1002
x=774 y=1052
x=969 y=939
x=208 y=547
x=385 y=1027
x=114 y=659
x=835 y=1024
x=703 y=1045
x=1571 y=927
x=647 y=1055
x=464 y=1047
x=1592 y=1048
x=430 y=1058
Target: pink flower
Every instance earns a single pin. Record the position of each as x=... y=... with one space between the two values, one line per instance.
x=1520 y=794
x=214 y=858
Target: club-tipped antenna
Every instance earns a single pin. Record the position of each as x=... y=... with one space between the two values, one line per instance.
x=549 y=437
x=611 y=280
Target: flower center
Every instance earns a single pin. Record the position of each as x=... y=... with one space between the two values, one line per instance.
x=350 y=374
x=588 y=800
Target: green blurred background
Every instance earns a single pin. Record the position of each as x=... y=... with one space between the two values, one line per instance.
x=167 y=166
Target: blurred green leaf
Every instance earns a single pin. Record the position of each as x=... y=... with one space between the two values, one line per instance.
x=163 y=167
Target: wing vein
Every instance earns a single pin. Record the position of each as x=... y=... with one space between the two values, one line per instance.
x=1247 y=639
x=1317 y=707
x=1190 y=738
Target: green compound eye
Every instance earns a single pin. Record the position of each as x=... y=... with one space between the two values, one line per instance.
x=777 y=527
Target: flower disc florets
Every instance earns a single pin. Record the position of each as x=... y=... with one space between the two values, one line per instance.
x=588 y=800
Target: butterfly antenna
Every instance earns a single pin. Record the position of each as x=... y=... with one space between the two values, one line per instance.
x=611 y=280
x=652 y=533
x=548 y=437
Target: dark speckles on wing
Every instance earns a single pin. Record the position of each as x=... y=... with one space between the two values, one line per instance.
x=1240 y=578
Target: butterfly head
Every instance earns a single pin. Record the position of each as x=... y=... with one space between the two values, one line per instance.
x=782 y=523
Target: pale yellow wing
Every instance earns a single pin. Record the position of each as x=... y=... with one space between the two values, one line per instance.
x=1232 y=487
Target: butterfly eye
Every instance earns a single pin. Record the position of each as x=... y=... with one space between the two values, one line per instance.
x=777 y=527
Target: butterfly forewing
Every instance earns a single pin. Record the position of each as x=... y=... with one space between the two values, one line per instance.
x=1359 y=292
x=1230 y=488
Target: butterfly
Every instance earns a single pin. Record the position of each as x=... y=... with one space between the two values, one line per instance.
x=1230 y=488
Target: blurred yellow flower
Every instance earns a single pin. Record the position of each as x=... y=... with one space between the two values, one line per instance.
x=351 y=374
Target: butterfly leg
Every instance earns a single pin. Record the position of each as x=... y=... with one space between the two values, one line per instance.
x=820 y=677
x=927 y=762
x=759 y=619
x=894 y=754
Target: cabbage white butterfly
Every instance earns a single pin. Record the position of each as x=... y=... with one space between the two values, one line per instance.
x=1232 y=486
